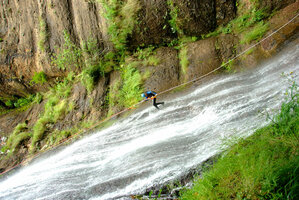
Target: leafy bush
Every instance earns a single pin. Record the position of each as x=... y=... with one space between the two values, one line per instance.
x=68 y=56
x=87 y=58
x=42 y=34
x=20 y=102
x=39 y=78
x=55 y=108
x=121 y=18
x=19 y=134
x=93 y=68
x=287 y=120
x=256 y=33
x=173 y=22
x=228 y=67
x=147 y=55
x=132 y=86
x=57 y=136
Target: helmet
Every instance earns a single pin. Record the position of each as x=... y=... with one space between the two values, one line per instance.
x=143 y=95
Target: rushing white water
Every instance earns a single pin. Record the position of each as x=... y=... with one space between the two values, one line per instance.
x=151 y=147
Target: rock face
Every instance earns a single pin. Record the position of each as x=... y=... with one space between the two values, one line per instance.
x=32 y=31
x=203 y=58
x=152 y=26
x=275 y=4
x=270 y=45
x=199 y=17
x=166 y=74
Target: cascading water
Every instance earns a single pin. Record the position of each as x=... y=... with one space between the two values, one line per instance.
x=152 y=147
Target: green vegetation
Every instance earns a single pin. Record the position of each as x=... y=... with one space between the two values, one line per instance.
x=121 y=16
x=69 y=55
x=57 y=136
x=15 y=102
x=39 y=78
x=228 y=67
x=183 y=55
x=93 y=68
x=86 y=58
x=131 y=89
x=263 y=166
x=19 y=135
x=19 y=104
x=55 y=109
x=42 y=34
x=126 y=92
x=147 y=55
x=173 y=22
x=256 y=33
x=252 y=19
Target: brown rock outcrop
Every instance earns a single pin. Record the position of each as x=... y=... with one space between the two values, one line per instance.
x=32 y=31
x=166 y=74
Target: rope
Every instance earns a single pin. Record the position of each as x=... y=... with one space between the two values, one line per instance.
x=133 y=106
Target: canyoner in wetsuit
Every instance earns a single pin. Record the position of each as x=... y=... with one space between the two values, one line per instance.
x=151 y=95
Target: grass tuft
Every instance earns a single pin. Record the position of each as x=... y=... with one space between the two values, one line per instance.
x=43 y=35
x=39 y=78
x=19 y=135
x=183 y=55
x=256 y=33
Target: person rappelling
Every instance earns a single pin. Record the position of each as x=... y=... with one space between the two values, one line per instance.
x=151 y=95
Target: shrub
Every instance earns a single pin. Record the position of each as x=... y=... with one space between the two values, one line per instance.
x=23 y=101
x=228 y=67
x=89 y=76
x=287 y=119
x=16 y=138
x=69 y=55
x=88 y=59
x=55 y=108
x=132 y=86
x=39 y=78
x=147 y=55
x=20 y=102
x=121 y=20
x=93 y=68
x=173 y=22
x=57 y=136
x=256 y=33
x=42 y=34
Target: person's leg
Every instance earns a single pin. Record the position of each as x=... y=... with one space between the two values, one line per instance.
x=160 y=103
x=155 y=104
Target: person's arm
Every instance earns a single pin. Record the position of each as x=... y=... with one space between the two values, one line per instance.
x=153 y=95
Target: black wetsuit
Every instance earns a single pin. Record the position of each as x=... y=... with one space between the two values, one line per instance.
x=150 y=94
